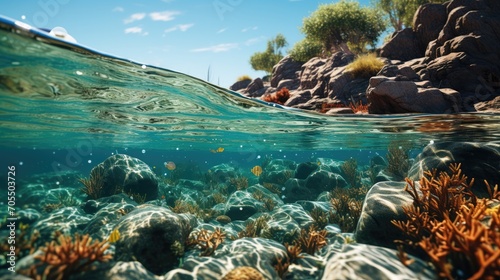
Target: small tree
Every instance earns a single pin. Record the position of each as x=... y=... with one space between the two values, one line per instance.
x=344 y=22
x=400 y=12
x=272 y=55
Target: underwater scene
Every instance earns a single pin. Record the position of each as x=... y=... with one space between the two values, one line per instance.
x=116 y=170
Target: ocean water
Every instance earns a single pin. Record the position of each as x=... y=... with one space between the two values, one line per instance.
x=66 y=108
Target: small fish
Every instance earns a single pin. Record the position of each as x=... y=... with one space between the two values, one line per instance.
x=114 y=236
x=318 y=163
x=256 y=170
x=170 y=165
x=218 y=150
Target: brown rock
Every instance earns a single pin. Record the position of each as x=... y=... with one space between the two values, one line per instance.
x=256 y=85
x=240 y=85
x=287 y=68
x=428 y=21
x=403 y=45
x=389 y=96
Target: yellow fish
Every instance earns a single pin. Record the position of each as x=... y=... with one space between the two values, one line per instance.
x=218 y=150
x=256 y=170
x=114 y=236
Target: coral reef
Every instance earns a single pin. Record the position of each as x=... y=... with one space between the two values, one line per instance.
x=59 y=260
x=452 y=227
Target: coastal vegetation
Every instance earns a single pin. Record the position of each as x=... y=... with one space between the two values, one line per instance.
x=266 y=60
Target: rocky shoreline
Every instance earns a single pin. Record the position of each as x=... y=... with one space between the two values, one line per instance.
x=449 y=62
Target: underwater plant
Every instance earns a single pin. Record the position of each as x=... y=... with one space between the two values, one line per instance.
x=94 y=185
x=320 y=217
x=255 y=228
x=398 y=159
x=239 y=182
x=351 y=173
x=24 y=244
x=457 y=231
x=347 y=203
x=59 y=260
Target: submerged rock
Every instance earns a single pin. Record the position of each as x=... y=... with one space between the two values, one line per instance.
x=130 y=175
x=154 y=236
x=478 y=161
x=383 y=203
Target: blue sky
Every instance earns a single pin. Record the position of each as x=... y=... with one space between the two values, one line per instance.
x=188 y=36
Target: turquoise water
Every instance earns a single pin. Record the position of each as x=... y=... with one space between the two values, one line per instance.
x=66 y=107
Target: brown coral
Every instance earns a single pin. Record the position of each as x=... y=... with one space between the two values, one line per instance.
x=452 y=226
x=68 y=256
x=207 y=241
x=312 y=240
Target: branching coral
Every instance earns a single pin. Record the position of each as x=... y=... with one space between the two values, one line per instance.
x=312 y=240
x=207 y=241
x=94 y=185
x=452 y=226
x=68 y=256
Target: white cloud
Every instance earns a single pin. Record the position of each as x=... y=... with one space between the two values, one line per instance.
x=217 y=48
x=180 y=27
x=249 y=28
x=252 y=41
x=221 y=30
x=164 y=16
x=134 y=17
x=135 y=30
x=184 y=27
x=118 y=9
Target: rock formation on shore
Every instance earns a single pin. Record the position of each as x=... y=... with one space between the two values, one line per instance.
x=448 y=62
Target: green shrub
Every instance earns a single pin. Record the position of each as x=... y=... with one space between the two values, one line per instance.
x=365 y=66
x=306 y=49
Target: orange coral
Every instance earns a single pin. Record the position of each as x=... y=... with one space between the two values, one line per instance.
x=280 y=97
x=452 y=226
x=68 y=256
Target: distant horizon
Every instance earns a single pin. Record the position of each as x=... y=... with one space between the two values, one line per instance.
x=199 y=38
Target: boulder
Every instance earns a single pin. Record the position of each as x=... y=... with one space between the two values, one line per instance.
x=403 y=45
x=153 y=236
x=128 y=174
x=428 y=21
x=256 y=85
x=383 y=203
x=479 y=161
x=287 y=68
x=399 y=95
x=240 y=85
